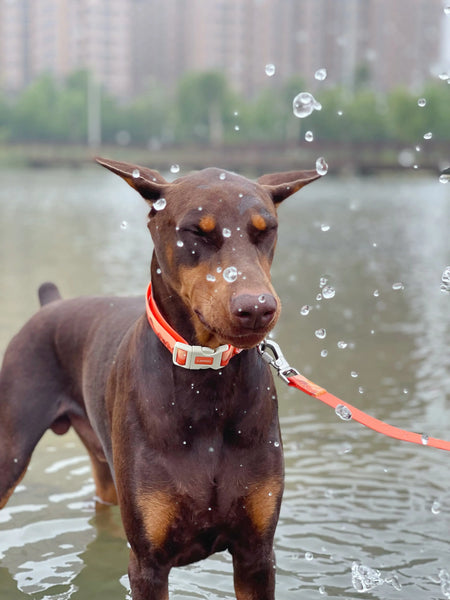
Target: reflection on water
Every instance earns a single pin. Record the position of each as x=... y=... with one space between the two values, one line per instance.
x=351 y=495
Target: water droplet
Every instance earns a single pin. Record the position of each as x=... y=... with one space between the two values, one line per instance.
x=210 y=449
x=322 y=590
x=230 y=274
x=447 y=10
x=124 y=225
x=262 y=299
x=309 y=136
x=342 y=345
x=210 y=277
x=424 y=439
x=365 y=578
x=443 y=76
x=222 y=176
x=321 y=333
x=325 y=227
x=343 y=412
x=136 y=173
x=436 y=507
x=237 y=128
x=321 y=166
x=309 y=556
x=158 y=271
x=324 y=353
x=236 y=113
x=276 y=444
x=340 y=113
x=226 y=232
x=320 y=74
x=421 y=102
x=160 y=204
x=304 y=104
x=270 y=70
x=219 y=269
x=305 y=310
x=354 y=374
x=180 y=244
x=398 y=286
x=444 y=178
x=376 y=293
x=428 y=135
x=175 y=169
x=328 y=292
x=445 y=280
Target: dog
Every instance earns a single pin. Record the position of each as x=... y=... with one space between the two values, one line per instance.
x=170 y=397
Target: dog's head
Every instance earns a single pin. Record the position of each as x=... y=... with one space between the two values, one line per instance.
x=214 y=235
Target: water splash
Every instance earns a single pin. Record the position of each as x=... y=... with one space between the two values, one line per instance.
x=343 y=412
x=230 y=274
x=321 y=166
x=160 y=204
x=304 y=104
x=320 y=74
x=328 y=292
x=365 y=578
x=445 y=280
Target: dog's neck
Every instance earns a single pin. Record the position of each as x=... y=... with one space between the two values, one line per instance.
x=171 y=306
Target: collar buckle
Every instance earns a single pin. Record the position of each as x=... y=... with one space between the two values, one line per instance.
x=201 y=357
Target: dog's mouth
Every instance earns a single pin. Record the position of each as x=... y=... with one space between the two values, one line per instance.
x=242 y=338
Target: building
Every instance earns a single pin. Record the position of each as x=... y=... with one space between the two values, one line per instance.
x=130 y=44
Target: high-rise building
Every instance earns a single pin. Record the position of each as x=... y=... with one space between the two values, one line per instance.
x=60 y=36
x=129 y=44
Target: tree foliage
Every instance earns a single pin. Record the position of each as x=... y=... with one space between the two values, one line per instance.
x=204 y=109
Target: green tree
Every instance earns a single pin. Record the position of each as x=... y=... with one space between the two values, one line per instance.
x=203 y=102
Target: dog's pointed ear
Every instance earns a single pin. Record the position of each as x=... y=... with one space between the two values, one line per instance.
x=282 y=185
x=150 y=184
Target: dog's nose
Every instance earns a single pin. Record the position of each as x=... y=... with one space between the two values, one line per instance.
x=254 y=312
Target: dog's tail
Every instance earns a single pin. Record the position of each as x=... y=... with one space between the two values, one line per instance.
x=48 y=292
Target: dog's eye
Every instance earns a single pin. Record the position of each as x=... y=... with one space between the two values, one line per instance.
x=265 y=236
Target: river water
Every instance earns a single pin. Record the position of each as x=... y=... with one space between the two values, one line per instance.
x=353 y=499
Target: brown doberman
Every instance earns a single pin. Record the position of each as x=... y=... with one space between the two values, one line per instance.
x=174 y=404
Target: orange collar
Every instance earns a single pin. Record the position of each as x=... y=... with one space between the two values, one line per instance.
x=184 y=355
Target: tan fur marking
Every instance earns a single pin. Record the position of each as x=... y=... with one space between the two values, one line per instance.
x=262 y=502
x=259 y=222
x=158 y=511
x=207 y=223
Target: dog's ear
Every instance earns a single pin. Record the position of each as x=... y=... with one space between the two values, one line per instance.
x=282 y=185
x=150 y=184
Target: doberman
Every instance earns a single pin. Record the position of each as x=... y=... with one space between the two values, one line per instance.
x=186 y=440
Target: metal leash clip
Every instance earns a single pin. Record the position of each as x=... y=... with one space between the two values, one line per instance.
x=277 y=361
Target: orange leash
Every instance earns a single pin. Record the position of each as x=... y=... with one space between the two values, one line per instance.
x=343 y=409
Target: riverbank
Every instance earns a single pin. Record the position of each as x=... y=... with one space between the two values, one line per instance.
x=341 y=157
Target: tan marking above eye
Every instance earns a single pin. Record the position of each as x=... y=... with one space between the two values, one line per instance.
x=259 y=222
x=207 y=223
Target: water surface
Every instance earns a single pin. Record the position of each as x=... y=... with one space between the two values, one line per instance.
x=351 y=496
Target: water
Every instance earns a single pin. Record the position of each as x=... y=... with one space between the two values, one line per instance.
x=352 y=496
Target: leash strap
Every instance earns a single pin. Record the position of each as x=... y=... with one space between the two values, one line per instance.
x=184 y=355
x=343 y=409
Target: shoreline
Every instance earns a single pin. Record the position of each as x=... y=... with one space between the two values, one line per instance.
x=342 y=157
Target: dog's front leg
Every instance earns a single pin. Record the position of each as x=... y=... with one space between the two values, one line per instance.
x=148 y=580
x=254 y=574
